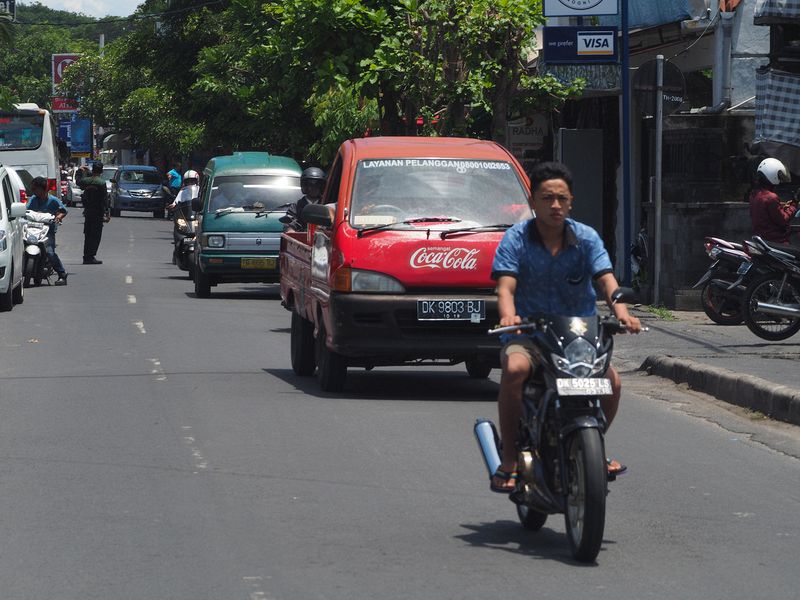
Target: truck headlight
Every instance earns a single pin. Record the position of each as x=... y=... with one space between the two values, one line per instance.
x=215 y=241
x=346 y=279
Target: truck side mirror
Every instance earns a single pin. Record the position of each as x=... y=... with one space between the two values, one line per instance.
x=318 y=214
x=196 y=205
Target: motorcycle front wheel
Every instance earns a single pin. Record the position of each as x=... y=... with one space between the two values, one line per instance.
x=585 y=514
x=720 y=305
x=766 y=290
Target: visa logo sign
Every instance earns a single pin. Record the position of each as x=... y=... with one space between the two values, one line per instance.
x=595 y=43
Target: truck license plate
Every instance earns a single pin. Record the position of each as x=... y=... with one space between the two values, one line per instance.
x=451 y=310
x=259 y=263
x=584 y=386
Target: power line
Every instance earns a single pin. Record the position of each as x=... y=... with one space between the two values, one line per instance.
x=123 y=19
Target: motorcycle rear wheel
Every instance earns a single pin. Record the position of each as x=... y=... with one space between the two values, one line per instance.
x=719 y=306
x=531 y=520
x=771 y=327
x=585 y=514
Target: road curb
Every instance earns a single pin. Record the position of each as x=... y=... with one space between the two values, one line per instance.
x=776 y=401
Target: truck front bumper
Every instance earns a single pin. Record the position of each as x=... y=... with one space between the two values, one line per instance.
x=375 y=329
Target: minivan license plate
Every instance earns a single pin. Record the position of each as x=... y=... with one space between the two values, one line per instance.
x=451 y=310
x=584 y=386
x=259 y=263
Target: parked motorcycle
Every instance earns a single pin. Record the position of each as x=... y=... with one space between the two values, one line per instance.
x=772 y=300
x=36 y=263
x=725 y=281
x=562 y=461
x=184 y=236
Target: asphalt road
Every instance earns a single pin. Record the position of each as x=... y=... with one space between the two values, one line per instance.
x=158 y=446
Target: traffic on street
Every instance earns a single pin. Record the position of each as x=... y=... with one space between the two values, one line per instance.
x=159 y=445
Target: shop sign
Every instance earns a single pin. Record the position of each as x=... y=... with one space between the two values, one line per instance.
x=528 y=133
x=580 y=45
x=580 y=8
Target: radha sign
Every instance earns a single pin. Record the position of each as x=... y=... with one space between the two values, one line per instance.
x=580 y=8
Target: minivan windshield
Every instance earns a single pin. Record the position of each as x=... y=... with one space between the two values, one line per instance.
x=447 y=192
x=21 y=131
x=144 y=176
x=254 y=192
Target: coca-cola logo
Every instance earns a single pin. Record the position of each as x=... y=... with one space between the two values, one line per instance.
x=445 y=258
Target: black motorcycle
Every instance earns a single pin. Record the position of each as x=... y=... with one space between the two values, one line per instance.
x=562 y=460
x=725 y=281
x=772 y=300
x=183 y=234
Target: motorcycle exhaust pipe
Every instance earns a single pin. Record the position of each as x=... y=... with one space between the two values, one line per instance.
x=779 y=310
x=489 y=444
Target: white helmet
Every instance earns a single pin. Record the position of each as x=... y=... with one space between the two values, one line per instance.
x=774 y=171
x=191 y=175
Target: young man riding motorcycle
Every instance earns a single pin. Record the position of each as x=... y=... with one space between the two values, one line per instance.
x=42 y=201
x=549 y=264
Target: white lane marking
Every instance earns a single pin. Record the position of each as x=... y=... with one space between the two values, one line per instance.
x=200 y=462
x=157 y=369
x=131 y=299
x=128 y=279
x=256 y=591
x=140 y=326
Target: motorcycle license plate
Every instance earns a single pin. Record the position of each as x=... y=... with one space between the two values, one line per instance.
x=451 y=310
x=744 y=268
x=583 y=386
x=259 y=263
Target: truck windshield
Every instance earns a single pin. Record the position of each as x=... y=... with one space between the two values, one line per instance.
x=448 y=192
x=254 y=192
x=21 y=131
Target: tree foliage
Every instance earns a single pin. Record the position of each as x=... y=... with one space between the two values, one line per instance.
x=299 y=76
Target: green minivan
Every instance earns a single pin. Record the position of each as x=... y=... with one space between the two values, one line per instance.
x=241 y=198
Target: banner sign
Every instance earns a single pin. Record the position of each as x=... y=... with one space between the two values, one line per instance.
x=580 y=8
x=81 y=136
x=64 y=105
x=579 y=45
x=59 y=63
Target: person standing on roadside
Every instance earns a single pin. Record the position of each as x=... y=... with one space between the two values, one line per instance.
x=769 y=214
x=174 y=180
x=95 y=213
x=42 y=201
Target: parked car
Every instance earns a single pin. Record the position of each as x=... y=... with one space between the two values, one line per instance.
x=11 y=243
x=74 y=193
x=137 y=188
x=241 y=200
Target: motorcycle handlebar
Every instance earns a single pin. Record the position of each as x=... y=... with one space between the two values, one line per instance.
x=612 y=324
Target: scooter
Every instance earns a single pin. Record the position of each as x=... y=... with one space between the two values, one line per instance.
x=725 y=281
x=184 y=236
x=36 y=263
x=561 y=454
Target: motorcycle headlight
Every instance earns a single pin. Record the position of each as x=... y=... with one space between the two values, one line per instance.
x=579 y=360
x=3 y=241
x=215 y=241
x=182 y=225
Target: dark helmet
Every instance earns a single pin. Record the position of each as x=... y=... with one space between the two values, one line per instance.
x=312 y=182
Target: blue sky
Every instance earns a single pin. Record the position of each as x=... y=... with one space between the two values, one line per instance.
x=94 y=8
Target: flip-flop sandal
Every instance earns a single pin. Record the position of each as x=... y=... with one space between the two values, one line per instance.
x=505 y=476
x=615 y=468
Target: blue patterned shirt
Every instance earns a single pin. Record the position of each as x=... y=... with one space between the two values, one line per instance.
x=558 y=285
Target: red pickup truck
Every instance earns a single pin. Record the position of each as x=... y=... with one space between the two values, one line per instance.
x=395 y=266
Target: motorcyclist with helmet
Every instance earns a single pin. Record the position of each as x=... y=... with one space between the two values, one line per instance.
x=769 y=214
x=189 y=190
x=312 y=184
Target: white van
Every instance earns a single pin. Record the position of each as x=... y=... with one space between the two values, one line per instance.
x=28 y=141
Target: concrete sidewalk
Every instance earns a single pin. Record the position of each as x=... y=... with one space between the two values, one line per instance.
x=729 y=363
